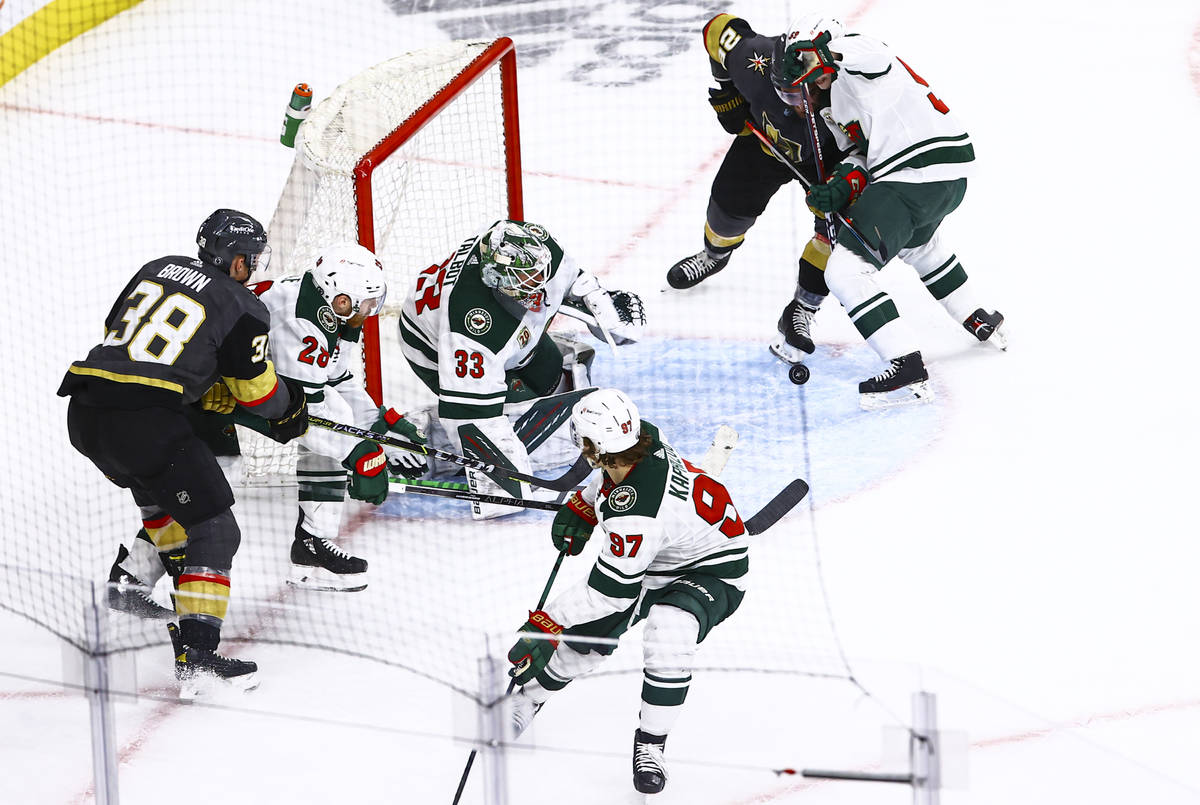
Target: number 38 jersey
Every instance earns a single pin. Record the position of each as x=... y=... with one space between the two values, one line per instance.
x=456 y=328
x=664 y=520
x=179 y=326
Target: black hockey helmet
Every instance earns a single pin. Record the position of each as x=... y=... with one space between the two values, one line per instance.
x=227 y=233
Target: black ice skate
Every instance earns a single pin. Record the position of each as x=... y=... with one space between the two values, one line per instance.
x=649 y=767
x=794 y=340
x=200 y=671
x=127 y=593
x=904 y=383
x=318 y=564
x=987 y=327
x=695 y=269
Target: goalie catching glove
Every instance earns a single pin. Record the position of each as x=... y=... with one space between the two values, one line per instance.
x=366 y=464
x=620 y=313
x=400 y=462
x=844 y=187
x=529 y=655
x=573 y=525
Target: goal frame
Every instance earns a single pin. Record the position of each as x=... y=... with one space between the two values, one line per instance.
x=501 y=51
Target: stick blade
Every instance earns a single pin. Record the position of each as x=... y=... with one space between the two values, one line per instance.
x=779 y=505
x=717 y=455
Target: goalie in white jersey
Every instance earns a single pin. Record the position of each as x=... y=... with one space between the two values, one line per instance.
x=907 y=168
x=316 y=324
x=676 y=557
x=474 y=330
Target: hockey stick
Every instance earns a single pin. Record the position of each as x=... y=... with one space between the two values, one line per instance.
x=512 y=683
x=460 y=492
x=814 y=138
x=777 y=507
x=717 y=455
x=807 y=185
x=569 y=480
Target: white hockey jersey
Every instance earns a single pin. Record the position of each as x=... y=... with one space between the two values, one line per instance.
x=902 y=130
x=664 y=520
x=310 y=346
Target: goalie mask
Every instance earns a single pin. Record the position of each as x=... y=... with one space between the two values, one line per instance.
x=802 y=55
x=352 y=270
x=227 y=233
x=608 y=419
x=516 y=261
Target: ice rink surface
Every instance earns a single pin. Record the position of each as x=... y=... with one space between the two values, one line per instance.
x=1024 y=547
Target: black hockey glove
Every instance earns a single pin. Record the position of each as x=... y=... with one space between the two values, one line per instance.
x=573 y=525
x=530 y=655
x=294 y=421
x=731 y=108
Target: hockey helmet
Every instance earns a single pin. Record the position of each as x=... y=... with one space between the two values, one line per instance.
x=352 y=270
x=516 y=261
x=608 y=419
x=227 y=233
x=801 y=55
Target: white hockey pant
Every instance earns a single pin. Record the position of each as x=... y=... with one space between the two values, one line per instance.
x=943 y=276
x=851 y=280
x=322 y=489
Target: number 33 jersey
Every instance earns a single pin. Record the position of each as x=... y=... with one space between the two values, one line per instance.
x=665 y=520
x=454 y=326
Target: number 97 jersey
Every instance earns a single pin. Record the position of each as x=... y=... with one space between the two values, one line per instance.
x=665 y=520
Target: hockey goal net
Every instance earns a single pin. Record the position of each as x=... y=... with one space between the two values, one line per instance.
x=407 y=158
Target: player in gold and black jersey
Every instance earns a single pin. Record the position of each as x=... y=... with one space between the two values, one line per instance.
x=184 y=330
x=740 y=60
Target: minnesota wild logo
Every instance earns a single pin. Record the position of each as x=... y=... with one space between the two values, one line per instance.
x=622 y=498
x=478 y=321
x=326 y=319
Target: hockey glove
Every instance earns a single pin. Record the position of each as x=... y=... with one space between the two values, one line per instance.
x=845 y=185
x=400 y=462
x=530 y=655
x=294 y=421
x=573 y=525
x=218 y=398
x=731 y=108
x=368 y=481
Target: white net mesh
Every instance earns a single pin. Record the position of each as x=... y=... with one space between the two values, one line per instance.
x=443 y=183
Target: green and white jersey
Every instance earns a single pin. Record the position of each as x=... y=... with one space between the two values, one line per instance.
x=456 y=326
x=310 y=346
x=664 y=520
x=902 y=130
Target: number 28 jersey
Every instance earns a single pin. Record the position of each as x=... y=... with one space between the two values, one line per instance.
x=664 y=520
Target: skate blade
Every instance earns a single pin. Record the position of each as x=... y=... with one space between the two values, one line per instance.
x=203 y=686
x=321 y=580
x=999 y=339
x=913 y=394
x=785 y=352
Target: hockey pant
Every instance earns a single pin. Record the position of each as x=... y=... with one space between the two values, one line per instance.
x=670 y=641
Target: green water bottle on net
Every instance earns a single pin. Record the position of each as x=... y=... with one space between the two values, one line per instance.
x=294 y=114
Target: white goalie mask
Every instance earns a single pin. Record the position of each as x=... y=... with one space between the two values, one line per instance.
x=516 y=261
x=608 y=419
x=350 y=269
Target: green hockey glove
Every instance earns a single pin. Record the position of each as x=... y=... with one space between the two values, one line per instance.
x=573 y=525
x=401 y=462
x=530 y=655
x=845 y=185
x=368 y=481
x=731 y=108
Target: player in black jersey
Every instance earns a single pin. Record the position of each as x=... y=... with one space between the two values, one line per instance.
x=184 y=329
x=750 y=175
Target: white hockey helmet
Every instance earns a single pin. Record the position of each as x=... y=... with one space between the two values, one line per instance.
x=608 y=419
x=802 y=54
x=516 y=261
x=351 y=269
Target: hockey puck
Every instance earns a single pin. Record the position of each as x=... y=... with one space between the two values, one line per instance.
x=798 y=374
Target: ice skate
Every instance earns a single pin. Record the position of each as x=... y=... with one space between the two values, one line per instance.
x=318 y=564
x=904 y=383
x=987 y=327
x=649 y=766
x=127 y=593
x=794 y=340
x=521 y=710
x=201 y=671
x=694 y=270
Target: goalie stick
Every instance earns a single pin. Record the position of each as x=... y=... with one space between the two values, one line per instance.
x=766 y=141
x=715 y=458
x=569 y=480
x=588 y=318
x=777 y=507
